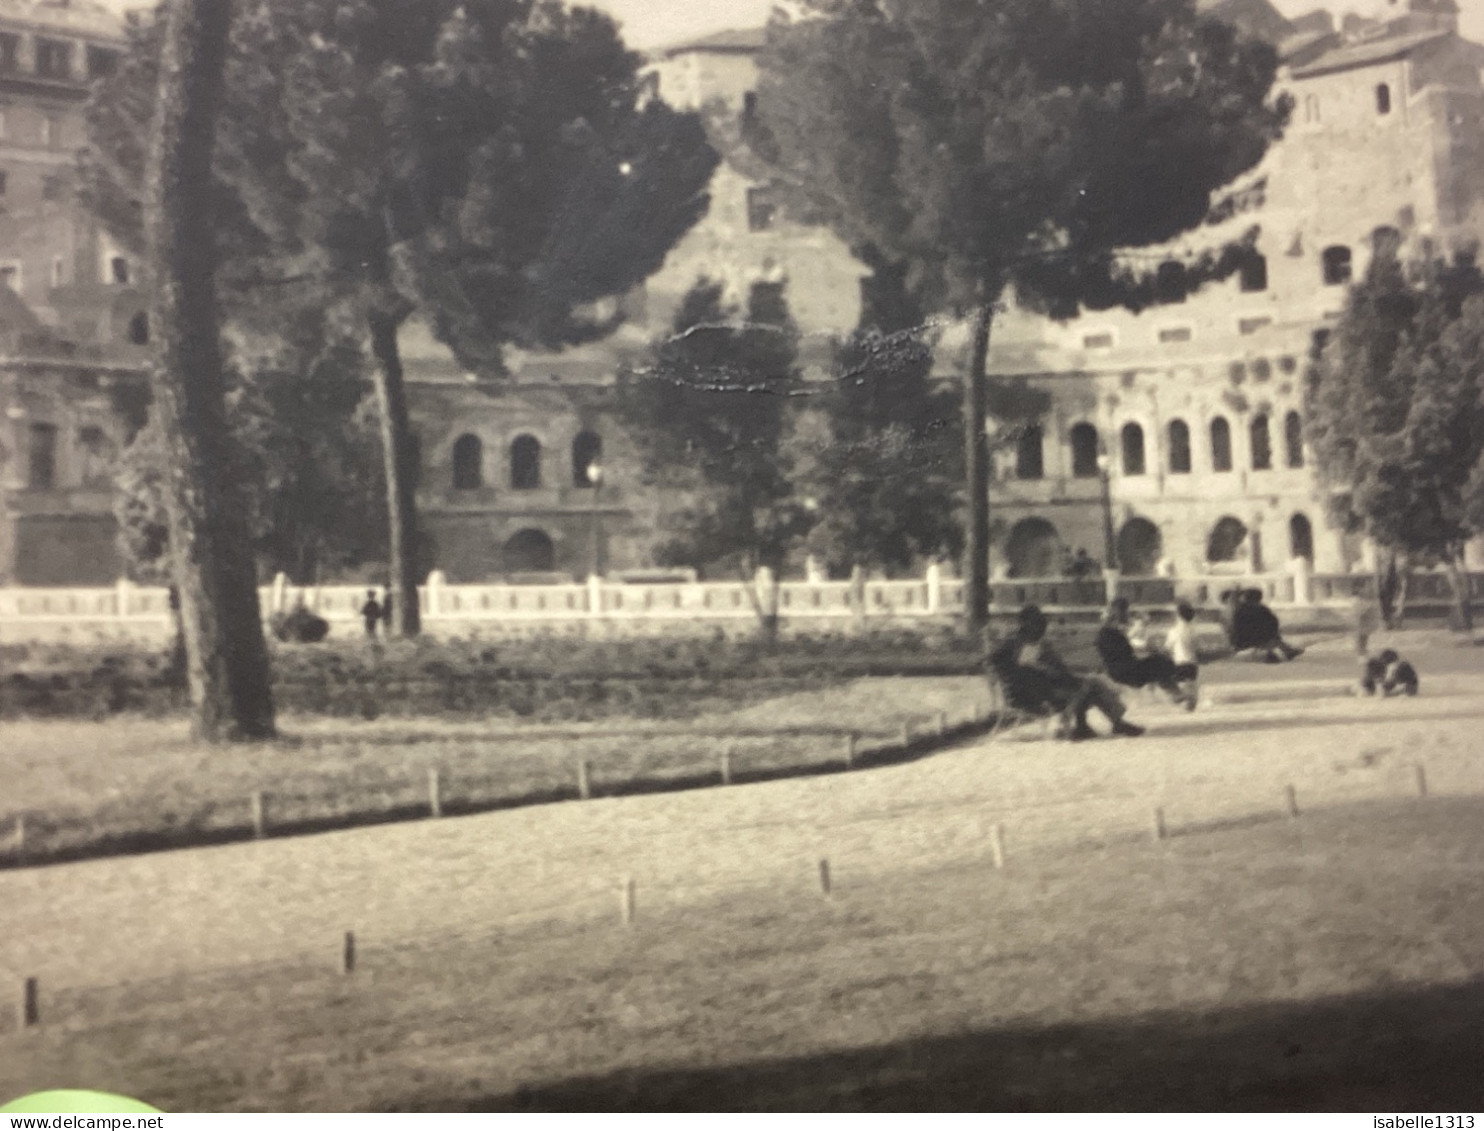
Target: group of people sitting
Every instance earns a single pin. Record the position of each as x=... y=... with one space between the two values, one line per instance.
x=1035 y=677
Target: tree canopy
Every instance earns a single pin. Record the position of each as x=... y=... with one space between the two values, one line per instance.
x=1020 y=147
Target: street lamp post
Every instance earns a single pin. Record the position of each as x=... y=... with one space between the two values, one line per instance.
x=1105 y=465
x=595 y=550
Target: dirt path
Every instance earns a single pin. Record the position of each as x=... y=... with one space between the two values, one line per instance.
x=151 y=916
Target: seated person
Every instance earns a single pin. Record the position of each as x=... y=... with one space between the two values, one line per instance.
x=1124 y=665
x=1255 y=626
x=1390 y=674
x=1033 y=676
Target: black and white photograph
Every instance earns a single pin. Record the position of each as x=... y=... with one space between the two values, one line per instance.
x=764 y=555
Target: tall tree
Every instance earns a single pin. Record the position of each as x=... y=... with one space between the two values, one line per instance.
x=1394 y=414
x=708 y=416
x=226 y=655
x=488 y=164
x=879 y=460
x=1013 y=149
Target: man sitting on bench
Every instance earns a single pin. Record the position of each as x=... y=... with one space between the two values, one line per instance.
x=1124 y=666
x=1034 y=678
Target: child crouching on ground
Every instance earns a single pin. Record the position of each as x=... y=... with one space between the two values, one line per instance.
x=1389 y=674
x=1180 y=643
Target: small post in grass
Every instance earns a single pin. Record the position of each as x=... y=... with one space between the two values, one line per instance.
x=626 y=900
x=348 y=954
x=584 y=780
x=1290 y=801
x=259 y=823
x=19 y=839
x=1421 y=773
x=28 y=1009
x=997 y=845
x=942 y=723
x=1157 y=825
x=907 y=733
x=726 y=765
x=824 y=876
x=435 y=793
x=851 y=740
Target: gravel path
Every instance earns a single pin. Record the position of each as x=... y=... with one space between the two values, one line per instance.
x=163 y=914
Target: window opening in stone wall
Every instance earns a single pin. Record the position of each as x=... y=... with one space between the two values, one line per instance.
x=1254 y=324
x=118 y=270
x=1300 y=537
x=1293 y=439
x=1221 y=445
x=139 y=329
x=1254 y=274
x=762 y=209
x=468 y=463
x=53 y=59
x=525 y=463
x=10 y=48
x=1029 y=457
x=1172 y=334
x=1179 y=447
x=1084 y=439
x=1133 y=449
x=1226 y=539
x=1336 y=263
x=587 y=449
x=1383 y=98
x=42 y=457
x=1102 y=341
x=1262 y=445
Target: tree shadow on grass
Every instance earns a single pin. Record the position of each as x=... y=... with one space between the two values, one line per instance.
x=1399 y=1050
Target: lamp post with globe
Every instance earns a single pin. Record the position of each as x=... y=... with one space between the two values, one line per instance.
x=1105 y=466
x=595 y=528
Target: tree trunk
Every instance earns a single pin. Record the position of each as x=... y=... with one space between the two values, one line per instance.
x=401 y=500
x=976 y=474
x=1458 y=581
x=226 y=655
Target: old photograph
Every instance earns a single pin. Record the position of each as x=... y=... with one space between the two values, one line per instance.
x=816 y=555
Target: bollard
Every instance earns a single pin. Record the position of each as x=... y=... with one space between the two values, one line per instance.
x=1421 y=773
x=435 y=794
x=997 y=845
x=850 y=743
x=942 y=723
x=1158 y=825
x=259 y=823
x=28 y=1010
x=1290 y=798
x=348 y=954
x=824 y=876
x=726 y=765
x=584 y=780
x=626 y=900
x=907 y=734
x=19 y=840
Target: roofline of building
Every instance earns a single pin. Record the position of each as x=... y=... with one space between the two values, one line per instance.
x=1400 y=51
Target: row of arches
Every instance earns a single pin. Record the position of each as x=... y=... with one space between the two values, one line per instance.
x=1087 y=447
x=1035 y=549
x=525 y=462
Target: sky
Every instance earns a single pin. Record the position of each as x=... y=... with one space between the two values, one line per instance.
x=657 y=23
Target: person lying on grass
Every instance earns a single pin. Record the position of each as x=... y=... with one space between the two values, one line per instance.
x=1034 y=677
x=1125 y=666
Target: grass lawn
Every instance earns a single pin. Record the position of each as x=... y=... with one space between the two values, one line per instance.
x=135 y=782
x=1332 y=963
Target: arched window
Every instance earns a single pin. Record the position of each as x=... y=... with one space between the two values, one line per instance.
x=1084 y=451
x=139 y=329
x=468 y=460
x=1293 y=439
x=1262 y=444
x=118 y=269
x=1300 y=537
x=1336 y=262
x=1179 y=447
x=525 y=463
x=1028 y=454
x=587 y=447
x=529 y=551
x=1169 y=281
x=1133 y=449
x=1226 y=540
x=1383 y=98
x=1033 y=549
x=1221 y=445
x=1254 y=273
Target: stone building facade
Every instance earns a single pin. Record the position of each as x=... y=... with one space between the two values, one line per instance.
x=73 y=332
